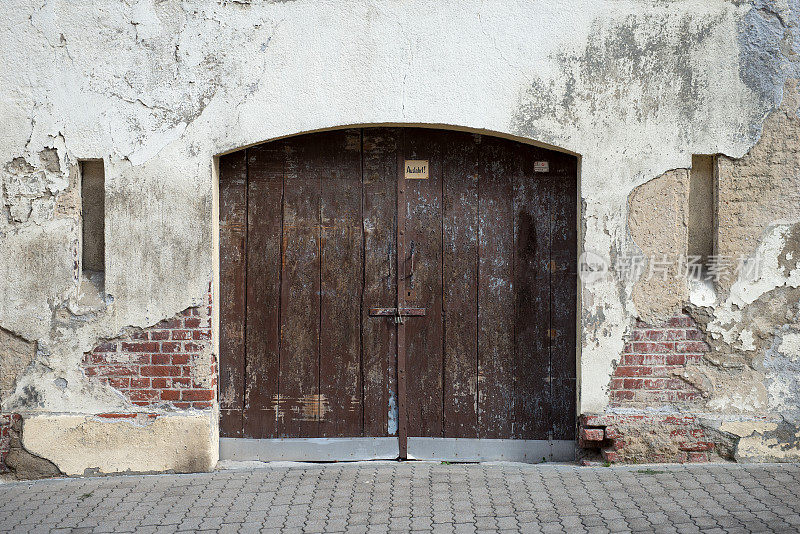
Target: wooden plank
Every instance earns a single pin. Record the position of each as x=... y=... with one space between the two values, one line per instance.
x=563 y=284
x=563 y=355
x=264 y=230
x=337 y=159
x=460 y=282
x=299 y=402
x=496 y=401
x=232 y=250
x=380 y=148
x=532 y=314
x=423 y=284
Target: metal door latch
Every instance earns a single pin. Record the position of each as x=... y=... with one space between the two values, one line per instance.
x=398 y=315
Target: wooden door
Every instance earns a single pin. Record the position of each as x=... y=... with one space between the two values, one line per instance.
x=356 y=302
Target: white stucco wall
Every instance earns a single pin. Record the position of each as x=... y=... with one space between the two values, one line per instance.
x=158 y=89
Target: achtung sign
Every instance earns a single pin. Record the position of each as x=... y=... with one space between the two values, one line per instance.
x=416 y=169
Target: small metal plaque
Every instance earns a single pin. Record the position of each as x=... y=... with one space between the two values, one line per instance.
x=541 y=166
x=416 y=169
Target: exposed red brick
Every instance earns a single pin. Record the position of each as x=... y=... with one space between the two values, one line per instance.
x=181 y=381
x=646 y=378
x=170 y=395
x=191 y=322
x=681 y=321
x=622 y=394
x=632 y=359
x=98 y=357
x=645 y=347
x=633 y=370
x=143 y=394
x=119 y=383
x=169 y=324
x=161 y=359
x=632 y=383
x=140 y=347
x=675 y=359
x=161 y=370
x=658 y=438
x=140 y=383
x=694 y=334
x=117 y=370
x=592 y=434
x=197 y=394
x=610 y=455
x=153 y=366
x=675 y=335
x=691 y=346
x=650 y=360
x=160 y=383
x=698 y=456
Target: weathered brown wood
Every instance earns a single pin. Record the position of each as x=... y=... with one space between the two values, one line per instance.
x=379 y=344
x=422 y=277
x=563 y=284
x=232 y=257
x=532 y=315
x=485 y=342
x=299 y=403
x=497 y=168
x=563 y=354
x=338 y=156
x=403 y=290
x=460 y=283
x=264 y=229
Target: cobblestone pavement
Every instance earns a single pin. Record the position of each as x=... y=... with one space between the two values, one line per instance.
x=382 y=497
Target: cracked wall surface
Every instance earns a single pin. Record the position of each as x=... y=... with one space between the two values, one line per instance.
x=158 y=89
x=745 y=389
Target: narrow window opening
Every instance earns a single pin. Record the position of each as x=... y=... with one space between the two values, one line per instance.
x=702 y=214
x=93 y=218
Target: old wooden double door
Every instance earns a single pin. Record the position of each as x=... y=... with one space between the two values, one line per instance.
x=399 y=287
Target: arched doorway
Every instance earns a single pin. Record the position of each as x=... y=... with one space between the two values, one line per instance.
x=397 y=292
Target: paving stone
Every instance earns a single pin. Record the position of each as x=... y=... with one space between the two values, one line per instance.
x=416 y=497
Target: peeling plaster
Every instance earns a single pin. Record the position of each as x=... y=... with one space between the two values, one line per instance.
x=157 y=89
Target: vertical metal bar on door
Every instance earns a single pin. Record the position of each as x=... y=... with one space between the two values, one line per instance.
x=402 y=419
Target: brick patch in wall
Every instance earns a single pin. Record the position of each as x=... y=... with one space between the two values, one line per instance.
x=161 y=366
x=647 y=378
x=647 y=438
x=647 y=373
x=6 y=420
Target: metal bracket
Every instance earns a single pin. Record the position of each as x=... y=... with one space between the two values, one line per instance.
x=393 y=312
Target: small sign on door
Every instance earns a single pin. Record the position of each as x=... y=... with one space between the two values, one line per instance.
x=416 y=169
x=541 y=166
